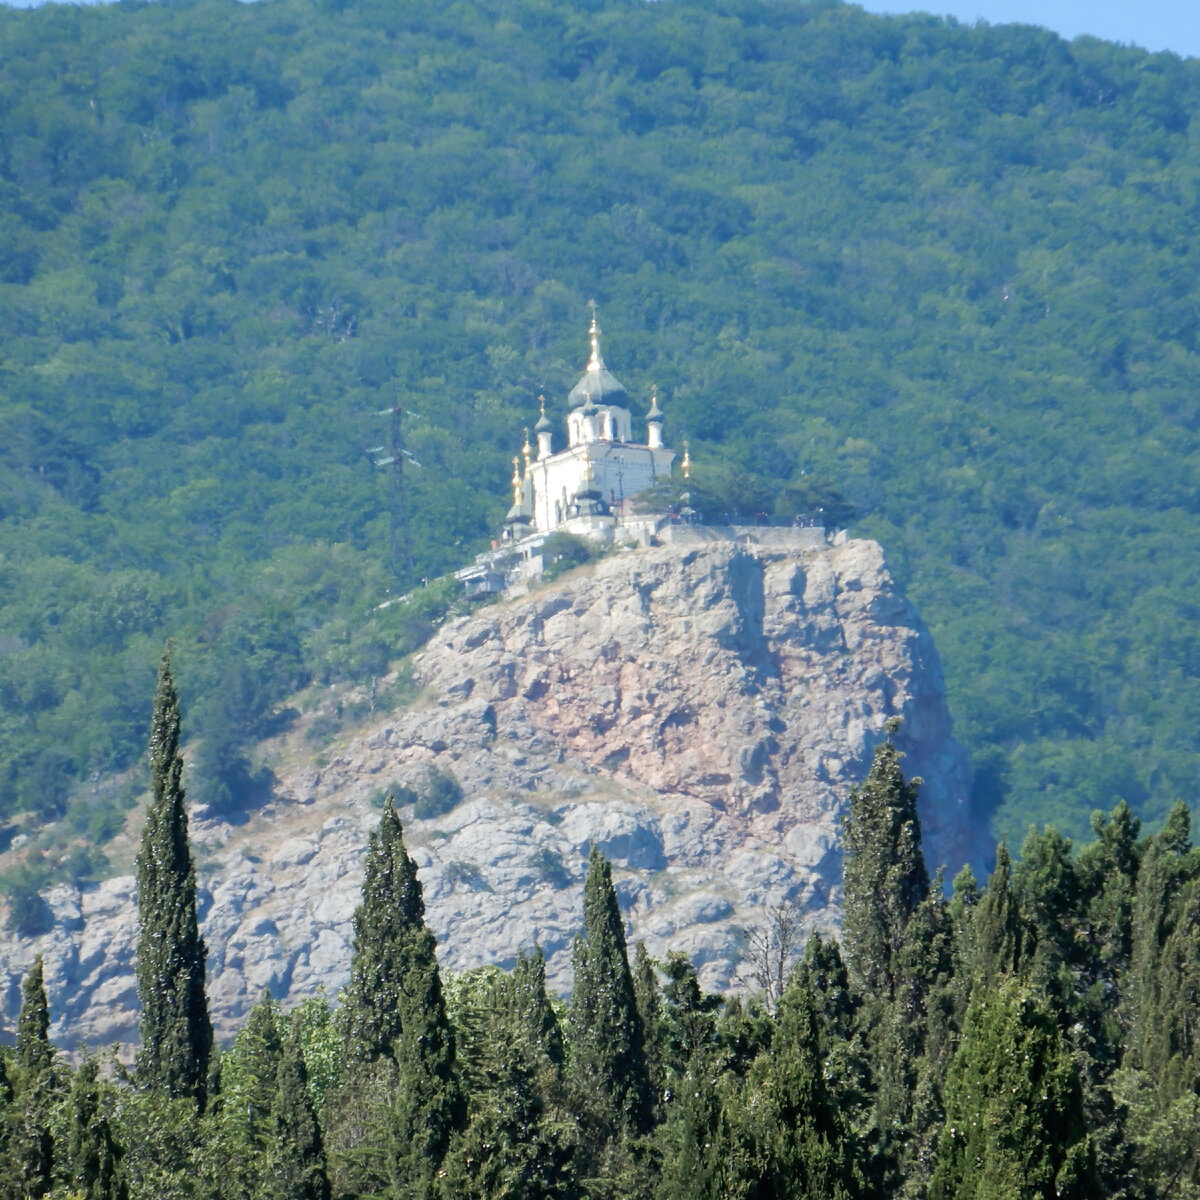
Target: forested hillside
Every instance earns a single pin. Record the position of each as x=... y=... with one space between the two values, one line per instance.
x=938 y=279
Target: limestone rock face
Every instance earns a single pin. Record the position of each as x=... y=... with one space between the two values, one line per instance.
x=699 y=714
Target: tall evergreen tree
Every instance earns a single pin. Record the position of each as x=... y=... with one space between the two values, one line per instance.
x=251 y=1078
x=297 y=1154
x=35 y=1055
x=1107 y=872
x=883 y=873
x=995 y=934
x=33 y=1145
x=1166 y=871
x=1168 y=1038
x=1047 y=896
x=10 y=1177
x=430 y=1107
x=708 y=1140
x=687 y=1020
x=93 y=1156
x=248 y=1072
x=648 y=998
x=804 y=1144
x=606 y=1035
x=400 y=1100
x=534 y=1011
x=509 y=1150
x=391 y=913
x=918 y=1045
x=176 y=1035
x=1014 y=1126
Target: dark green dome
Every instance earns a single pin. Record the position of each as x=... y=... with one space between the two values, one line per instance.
x=601 y=385
x=598 y=381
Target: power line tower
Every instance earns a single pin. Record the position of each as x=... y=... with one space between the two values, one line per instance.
x=400 y=553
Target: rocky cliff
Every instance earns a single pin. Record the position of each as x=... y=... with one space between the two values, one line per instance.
x=699 y=713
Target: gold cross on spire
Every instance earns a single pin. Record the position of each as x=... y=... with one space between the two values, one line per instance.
x=527 y=449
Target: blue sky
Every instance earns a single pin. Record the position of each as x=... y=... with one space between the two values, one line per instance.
x=1152 y=24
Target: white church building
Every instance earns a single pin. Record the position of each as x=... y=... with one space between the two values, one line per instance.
x=585 y=487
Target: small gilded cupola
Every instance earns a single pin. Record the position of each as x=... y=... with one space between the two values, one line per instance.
x=519 y=521
x=545 y=432
x=654 y=421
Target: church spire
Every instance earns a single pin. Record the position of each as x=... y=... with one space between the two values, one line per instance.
x=598 y=381
x=516 y=480
x=595 y=363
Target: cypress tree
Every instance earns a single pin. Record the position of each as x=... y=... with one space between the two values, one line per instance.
x=93 y=1155
x=391 y=913
x=400 y=1100
x=835 y=999
x=606 y=1035
x=1014 y=1126
x=1168 y=1041
x=176 y=1035
x=995 y=937
x=843 y=1048
x=33 y=1141
x=919 y=1044
x=1107 y=872
x=35 y=1055
x=964 y=899
x=649 y=1006
x=6 y=1088
x=1047 y=895
x=535 y=1013
x=297 y=1155
x=709 y=1152
x=10 y=1187
x=883 y=872
x=508 y=1149
x=242 y=1115
x=803 y=1141
x=251 y=1077
x=430 y=1106
x=688 y=1018
x=1164 y=875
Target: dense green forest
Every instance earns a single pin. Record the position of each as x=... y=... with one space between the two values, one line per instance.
x=937 y=279
x=1031 y=1040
